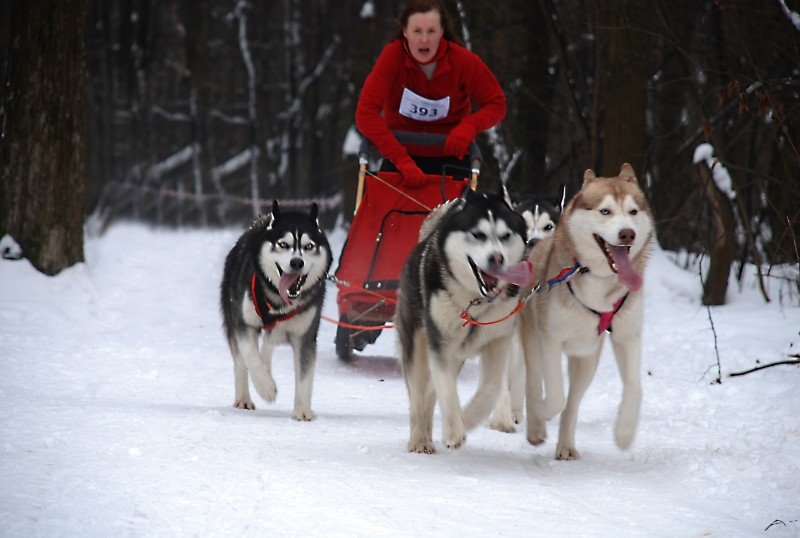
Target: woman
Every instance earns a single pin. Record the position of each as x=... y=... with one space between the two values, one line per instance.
x=425 y=81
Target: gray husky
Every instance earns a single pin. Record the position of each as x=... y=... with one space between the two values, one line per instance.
x=468 y=265
x=541 y=215
x=274 y=282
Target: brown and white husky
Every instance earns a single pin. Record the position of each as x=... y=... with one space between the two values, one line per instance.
x=590 y=275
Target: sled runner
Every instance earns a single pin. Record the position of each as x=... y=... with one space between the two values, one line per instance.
x=384 y=230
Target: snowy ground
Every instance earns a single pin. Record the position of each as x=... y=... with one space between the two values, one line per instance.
x=116 y=420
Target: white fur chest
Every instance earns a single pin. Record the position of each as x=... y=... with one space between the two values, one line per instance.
x=470 y=338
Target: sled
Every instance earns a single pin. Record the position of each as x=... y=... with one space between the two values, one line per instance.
x=384 y=230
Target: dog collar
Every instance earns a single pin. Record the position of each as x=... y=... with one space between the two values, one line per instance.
x=605 y=317
x=264 y=308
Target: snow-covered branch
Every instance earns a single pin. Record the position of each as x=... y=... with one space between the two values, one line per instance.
x=793 y=16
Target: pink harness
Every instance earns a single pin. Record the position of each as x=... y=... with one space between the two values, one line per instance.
x=605 y=317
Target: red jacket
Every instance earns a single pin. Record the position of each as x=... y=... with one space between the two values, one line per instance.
x=460 y=74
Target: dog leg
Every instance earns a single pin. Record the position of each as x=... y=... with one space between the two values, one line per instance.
x=536 y=427
x=549 y=353
x=260 y=370
x=502 y=420
x=421 y=396
x=516 y=381
x=493 y=363
x=444 y=372
x=627 y=353
x=241 y=383
x=305 y=360
x=508 y=407
x=581 y=373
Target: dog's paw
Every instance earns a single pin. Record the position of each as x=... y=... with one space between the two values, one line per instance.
x=421 y=447
x=303 y=415
x=455 y=439
x=265 y=386
x=627 y=422
x=537 y=434
x=503 y=425
x=517 y=417
x=244 y=404
x=567 y=453
x=624 y=434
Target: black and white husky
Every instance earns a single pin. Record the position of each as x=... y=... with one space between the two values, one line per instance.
x=274 y=282
x=459 y=290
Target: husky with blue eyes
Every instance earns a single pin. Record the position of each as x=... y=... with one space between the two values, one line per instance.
x=273 y=287
x=459 y=291
x=590 y=282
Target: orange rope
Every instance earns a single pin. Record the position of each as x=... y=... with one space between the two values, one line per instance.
x=375 y=293
x=469 y=321
x=361 y=327
x=341 y=323
x=404 y=193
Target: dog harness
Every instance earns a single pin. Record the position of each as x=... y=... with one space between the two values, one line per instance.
x=564 y=276
x=605 y=317
x=263 y=307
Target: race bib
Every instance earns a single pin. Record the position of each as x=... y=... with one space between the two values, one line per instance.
x=418 y=108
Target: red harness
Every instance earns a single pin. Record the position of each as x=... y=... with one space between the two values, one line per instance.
x=263 y=308
x=605 y=317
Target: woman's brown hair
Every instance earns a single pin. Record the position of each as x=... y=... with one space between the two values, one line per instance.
x=424 y=6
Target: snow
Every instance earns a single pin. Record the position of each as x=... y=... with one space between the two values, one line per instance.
x=352 y=142
x=117 y=385
x=705 y=153
x=367 y=10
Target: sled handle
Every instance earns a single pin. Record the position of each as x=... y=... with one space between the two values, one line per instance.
x=420 y=139
x=362 y=171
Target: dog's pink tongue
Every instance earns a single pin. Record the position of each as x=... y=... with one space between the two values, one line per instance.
x=520 y=274
x=628 y=277
x=287 y=281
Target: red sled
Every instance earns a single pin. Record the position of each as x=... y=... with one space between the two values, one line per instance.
x=384 y=230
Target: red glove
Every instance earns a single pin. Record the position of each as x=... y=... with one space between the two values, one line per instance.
x=412 y=175
x=458 y=141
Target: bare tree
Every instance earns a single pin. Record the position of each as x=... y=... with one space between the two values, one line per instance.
x=43 y=154
x=588 y=83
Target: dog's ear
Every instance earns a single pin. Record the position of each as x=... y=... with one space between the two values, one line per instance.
x=588 y=176
x=269 y=220
x=516 y=197
x=313 y=211
x=626 y=172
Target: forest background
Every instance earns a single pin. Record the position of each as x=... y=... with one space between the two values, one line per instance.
x=200 y=112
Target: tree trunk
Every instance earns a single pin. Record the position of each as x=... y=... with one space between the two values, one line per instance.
x=622 y=76
x=43 y=155
x=721 y=241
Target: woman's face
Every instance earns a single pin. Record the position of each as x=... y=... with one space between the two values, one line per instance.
x=424 y=32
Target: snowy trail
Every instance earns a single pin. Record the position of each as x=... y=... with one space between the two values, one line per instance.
x=116 y=419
